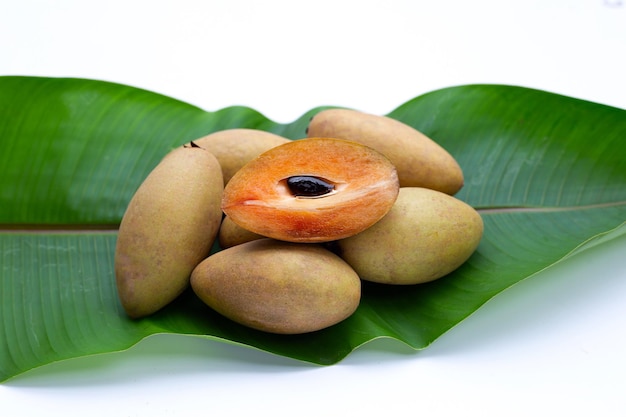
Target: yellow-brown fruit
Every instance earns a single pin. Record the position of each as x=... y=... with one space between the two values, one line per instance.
x=169 y=227
x=270 y=195
x=231 y=234
x=426 y=235
x=420 y=161
x=278 y=287
x=234 y=148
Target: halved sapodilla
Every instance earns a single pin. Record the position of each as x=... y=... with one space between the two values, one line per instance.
x=312 y=190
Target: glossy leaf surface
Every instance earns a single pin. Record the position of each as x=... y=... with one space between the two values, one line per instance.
x=547 y=172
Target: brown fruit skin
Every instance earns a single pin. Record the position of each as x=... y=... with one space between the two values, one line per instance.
x=278 y=287
x=234 y=148
x=420 y=161
x=231 y=234
x=169 y=227
x=426 y=235
x=367 y=186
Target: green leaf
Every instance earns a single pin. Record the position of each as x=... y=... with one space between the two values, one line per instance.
x=547 y=173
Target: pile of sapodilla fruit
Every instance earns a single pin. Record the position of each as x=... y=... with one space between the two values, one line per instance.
x=300 y=223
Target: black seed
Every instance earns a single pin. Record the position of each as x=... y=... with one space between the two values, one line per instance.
x=308 y=186
x=193 y=144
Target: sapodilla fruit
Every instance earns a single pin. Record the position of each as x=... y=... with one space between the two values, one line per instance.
x=312 y=190
x=234 y=148
x=420 y=161
x=425 y=236
x=168 y=228
x=278 y=287
x=231 y=234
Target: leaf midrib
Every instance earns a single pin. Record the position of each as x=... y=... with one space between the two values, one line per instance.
x=33 y=228
x=551 y=209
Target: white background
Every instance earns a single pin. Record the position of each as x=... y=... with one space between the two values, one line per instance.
x=553 y=345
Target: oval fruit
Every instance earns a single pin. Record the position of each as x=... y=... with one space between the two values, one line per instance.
x=426 y=235
x=168 y=228
x=231 y=234
x=234 y=148
x=421 y=162
x=278 y=287
x=358 y=187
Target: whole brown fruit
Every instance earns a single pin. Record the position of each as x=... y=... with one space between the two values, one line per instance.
x=426 y=235
x=234 y=148
x=278 y=287
x=231 y=234
x=420 y=161
x=169 y=227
